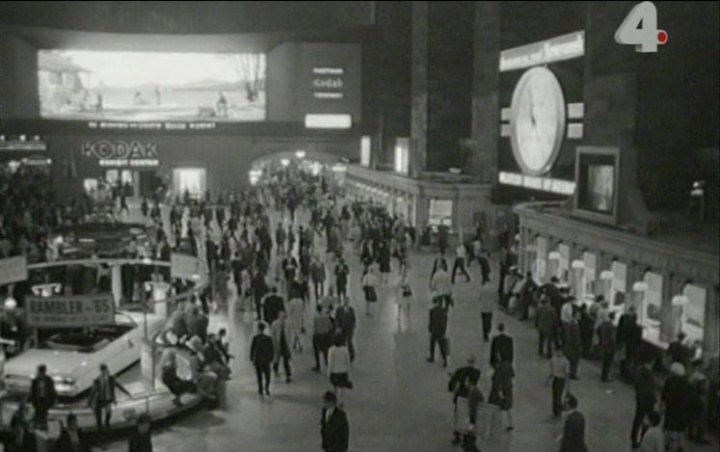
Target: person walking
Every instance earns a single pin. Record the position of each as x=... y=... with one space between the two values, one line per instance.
x=573 y=438
x=474 y=397
x=342 y=272
x=459 y=264
x=458 y=385
x=571 y=339
x=262 y=354
x=559 y=379
x=654 y=439
x=441 y=286
x=296 y=321
x=370 y=284
x=607 y=345
x=72 y=438
x=502 y=348
x=334 y=425
x=403 y=300
x=141 y=438
x=322 y=336
x=437 y=327
x=645 y=399
x=272 y=305
x=501 y=393
x=102 y=396
x=487 y=308
x=42 y=396
x=698 y=403
x=345 y=323
x=280 y=333
x=547 y=323
x=675 y=396
x=318 y=276
x=338 y=366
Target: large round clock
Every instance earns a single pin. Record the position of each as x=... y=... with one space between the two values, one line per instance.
x=537 y=121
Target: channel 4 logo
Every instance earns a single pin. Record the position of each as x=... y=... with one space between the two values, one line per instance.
x=640 y=29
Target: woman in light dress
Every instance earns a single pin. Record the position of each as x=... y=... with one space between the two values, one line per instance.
x=403 y=298
x=296 y=322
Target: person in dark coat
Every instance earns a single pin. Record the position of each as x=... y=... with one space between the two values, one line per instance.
x=501 y=347
x=141 y=440
x=645 y=400
x=334 y=426
x=262 y=355
x=607 y=346
x=573 y=439
x=42 y=396
x=437 y=327
x=197 y=324
x=676 y=395
x=272 y=306
x=547 y=322
x=21 y=438
x=572 y=346
x=102 y=396
x=72 y=438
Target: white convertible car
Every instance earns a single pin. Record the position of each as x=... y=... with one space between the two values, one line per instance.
x=73 y=356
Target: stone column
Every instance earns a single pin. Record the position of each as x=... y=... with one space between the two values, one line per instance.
x=116 y=281
x=485 y=102
x=419 y=87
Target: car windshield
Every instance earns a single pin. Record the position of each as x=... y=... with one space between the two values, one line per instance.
x=87 y=340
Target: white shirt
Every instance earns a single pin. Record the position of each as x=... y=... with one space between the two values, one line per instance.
x=460 y=251
x=653 y=441
x=338 y=360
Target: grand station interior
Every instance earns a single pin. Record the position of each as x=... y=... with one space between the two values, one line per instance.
x=399 y=226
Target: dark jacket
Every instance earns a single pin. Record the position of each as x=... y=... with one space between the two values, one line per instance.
x=262 y=351
x=335 y=431
x=606 y=332
x=50 y=394
x=272 y=307
x=140 y=442
x=438 y=321
x=573 y=439
x=95 y=396
x=547 y=319
x=501 y=349
x=345 y=319
x=64 y=443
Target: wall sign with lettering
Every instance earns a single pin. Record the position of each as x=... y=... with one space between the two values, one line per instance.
x=119 y=153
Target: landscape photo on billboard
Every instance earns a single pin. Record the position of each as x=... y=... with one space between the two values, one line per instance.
x=151 y=86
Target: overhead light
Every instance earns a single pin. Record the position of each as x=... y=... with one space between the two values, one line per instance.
x=2 y=137
x=554 y=256
x=284 y=162
x=300 y=154
x=640 y=286
x=578 y=264
x=606 y=275
x=680 y=300
x=10 y=303
x=22 y=137
x=328 y=121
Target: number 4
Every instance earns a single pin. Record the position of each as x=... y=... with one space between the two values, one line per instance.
x=640 y=28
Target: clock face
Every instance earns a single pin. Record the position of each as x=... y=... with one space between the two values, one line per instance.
x=537 y=120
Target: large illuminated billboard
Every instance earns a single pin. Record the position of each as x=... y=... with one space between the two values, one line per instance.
x=151 y=86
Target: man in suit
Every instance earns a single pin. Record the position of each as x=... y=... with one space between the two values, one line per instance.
x=346 y=321
x=42 y=396
x=547 y=323
x=334 y=426
x=607 y=346
x=501 y=347
x=102 y=396
x=437 y=328
x=262 y=355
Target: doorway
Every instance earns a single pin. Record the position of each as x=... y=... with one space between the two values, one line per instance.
x=192 y=180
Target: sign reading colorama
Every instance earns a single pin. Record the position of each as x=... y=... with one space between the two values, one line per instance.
x=70 y=312
x=121 y=153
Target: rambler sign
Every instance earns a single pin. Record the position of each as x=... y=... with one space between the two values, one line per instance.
x=70 y=312
x=122 y=153
x=565 y=47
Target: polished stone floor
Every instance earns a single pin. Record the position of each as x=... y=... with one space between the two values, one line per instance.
x=400 y=402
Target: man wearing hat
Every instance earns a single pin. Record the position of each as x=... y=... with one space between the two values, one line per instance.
x=334 y=426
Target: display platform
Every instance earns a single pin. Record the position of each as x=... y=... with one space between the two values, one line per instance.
x=156 y=400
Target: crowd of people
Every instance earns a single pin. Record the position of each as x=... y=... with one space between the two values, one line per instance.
x=278 y=270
